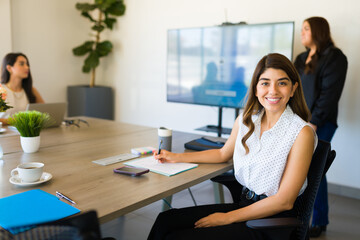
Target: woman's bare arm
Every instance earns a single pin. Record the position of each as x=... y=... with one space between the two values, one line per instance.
x=293 y=178
x=209 y=156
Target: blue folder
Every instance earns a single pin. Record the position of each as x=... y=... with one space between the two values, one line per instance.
x=23 y=210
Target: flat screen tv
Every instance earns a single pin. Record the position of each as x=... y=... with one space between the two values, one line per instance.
x=214 y=65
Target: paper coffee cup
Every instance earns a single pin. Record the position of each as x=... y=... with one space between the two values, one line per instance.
x=28 y=172
x=165 y=138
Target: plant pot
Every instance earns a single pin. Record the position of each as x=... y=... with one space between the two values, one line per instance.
x=30 y=144
x=95 y=102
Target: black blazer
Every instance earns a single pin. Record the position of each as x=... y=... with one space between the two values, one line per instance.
x=322 y=89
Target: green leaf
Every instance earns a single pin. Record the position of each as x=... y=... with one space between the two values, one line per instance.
x=92 y=61
x=104 y=48
x=86 y=69
x=104 y=4
x=109 y=22
x=83 y=49
x=98 y=28
x=85 y=7
x=87 y=15
x=117 y=8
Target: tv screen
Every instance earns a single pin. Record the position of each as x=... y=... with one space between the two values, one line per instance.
x=214 y=65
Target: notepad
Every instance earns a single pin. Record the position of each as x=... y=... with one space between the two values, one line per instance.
x=31 y=208
x=167 y=169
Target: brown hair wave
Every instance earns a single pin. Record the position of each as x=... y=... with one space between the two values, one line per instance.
x=321 y=36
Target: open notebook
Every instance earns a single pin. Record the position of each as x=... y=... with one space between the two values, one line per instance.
x=167 y=169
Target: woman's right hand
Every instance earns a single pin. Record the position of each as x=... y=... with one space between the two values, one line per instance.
x=165 y=156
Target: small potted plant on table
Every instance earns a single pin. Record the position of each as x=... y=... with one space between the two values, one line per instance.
x=3 y=108
x=29 y=124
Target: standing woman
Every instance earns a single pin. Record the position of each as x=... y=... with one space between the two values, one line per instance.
x=322 y=69
x=16 y=79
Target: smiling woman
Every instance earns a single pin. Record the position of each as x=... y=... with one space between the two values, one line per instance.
x=274 y=90
x=17 y=81
x=271 y=145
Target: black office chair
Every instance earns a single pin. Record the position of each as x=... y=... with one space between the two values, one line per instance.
x=290 y=228
x=84 y=226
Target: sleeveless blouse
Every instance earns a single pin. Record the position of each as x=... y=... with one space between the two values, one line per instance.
x=18 y=100
x=262 y=168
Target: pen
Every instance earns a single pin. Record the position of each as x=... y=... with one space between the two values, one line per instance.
x=60 y=195
x=160 y=146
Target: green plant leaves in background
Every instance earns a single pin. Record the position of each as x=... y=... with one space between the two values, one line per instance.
x=104 y=48
x=109 y=22
x=87 y=15
x=85 y=7
x=84 y=48
x=117 y=9
x=98 y=28
x=95 y=49
x=93 y=59
x=104 y=4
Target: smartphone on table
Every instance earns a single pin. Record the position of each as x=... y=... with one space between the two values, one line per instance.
x=132 y=171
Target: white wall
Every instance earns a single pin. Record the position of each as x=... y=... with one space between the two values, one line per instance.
x=46 y=31
x=136 y=68
x=5 y=27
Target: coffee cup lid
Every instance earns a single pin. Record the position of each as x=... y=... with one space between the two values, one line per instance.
x=164 y=132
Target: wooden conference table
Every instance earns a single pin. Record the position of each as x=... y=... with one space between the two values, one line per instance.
x=68 y=152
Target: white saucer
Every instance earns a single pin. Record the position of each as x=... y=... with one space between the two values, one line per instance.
x=44 y=178
x=2 y=130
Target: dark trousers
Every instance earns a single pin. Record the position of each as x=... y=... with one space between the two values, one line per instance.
x=176 y=224
x=321 y=205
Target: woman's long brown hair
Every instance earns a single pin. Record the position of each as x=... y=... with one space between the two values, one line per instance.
x=253 y=106
x=321 y=36
x=27 y=83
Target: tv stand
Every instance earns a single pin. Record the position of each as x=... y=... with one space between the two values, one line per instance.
x=218 y=129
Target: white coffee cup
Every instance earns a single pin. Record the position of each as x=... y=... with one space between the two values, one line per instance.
x=28 y=172
x=165 y=138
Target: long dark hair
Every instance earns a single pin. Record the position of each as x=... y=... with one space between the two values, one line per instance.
x=253 y=106
x=321 y=36
x=26 y=84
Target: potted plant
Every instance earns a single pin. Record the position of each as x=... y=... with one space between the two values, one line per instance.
x=3 y=108
x=29 y=124
x=88 y=100
x=3 y=104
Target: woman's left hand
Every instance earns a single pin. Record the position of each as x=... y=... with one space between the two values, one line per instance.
x=215 y=219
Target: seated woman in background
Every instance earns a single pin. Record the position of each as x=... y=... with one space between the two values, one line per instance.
x=271 y=145
x=16 y=79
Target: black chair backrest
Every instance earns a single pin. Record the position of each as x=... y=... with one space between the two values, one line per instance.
x=84 y=226
x=320 y=163
x=87 y=223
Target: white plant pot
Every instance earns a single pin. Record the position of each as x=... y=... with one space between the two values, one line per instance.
x=30 y=144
